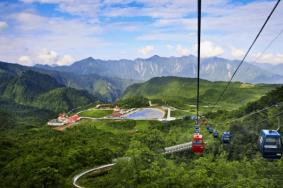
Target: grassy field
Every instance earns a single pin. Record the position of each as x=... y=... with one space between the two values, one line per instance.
x=96 y=113
x=181 y=92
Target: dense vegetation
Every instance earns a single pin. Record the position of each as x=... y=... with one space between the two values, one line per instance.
x=180 y=92
x=38 y=156
x=33 y=89
x=235 y=165
x=133 y=102
x=47 y=158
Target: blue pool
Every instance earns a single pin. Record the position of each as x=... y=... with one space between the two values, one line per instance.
x=146 y=113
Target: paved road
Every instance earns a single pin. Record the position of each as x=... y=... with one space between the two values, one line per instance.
x=77 y=177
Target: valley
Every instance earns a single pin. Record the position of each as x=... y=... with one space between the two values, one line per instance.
x=102 y=119
x=141 y=94
x=97 y=143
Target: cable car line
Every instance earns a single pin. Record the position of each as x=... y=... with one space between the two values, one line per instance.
x=246 y=54
x=198 y=144
x=269 y=44
x=267 y=47
x=276 y=115
x=265 y=135
x=198 y=58
x=253 y=113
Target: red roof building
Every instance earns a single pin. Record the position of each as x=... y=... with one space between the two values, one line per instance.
x=74 y=118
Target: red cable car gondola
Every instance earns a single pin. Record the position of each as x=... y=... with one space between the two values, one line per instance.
x=197 y=144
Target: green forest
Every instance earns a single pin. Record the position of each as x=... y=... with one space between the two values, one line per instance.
x=33 y=155
x=141 y=94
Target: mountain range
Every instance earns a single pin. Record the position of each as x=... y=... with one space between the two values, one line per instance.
x=106 y=88
x=213 y=68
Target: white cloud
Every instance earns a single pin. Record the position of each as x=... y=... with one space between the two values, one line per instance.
x=182 y=51
x=88 y=8
x=169 y=46
x=51 y=57
x=3 y=25
x=32 y=32
x=209 y=49
x=146 y=50
x=178 y=36
x=169 y=21
x=268 y=58
x=25 y=60
x=237 y=53
x=46 y=56
x=65 y=60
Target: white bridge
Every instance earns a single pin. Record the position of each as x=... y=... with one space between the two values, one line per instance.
x=178 y=148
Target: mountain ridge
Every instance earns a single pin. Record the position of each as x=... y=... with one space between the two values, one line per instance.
x=30 y=88
x=107 y=88
x=212 y=68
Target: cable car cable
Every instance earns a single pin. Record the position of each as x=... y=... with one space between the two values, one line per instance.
x=246 y=54
x=276 y=115
x=198 y=58
x=253 y=113
x=198 y=145
x=267 y=47
x=269 y=44
x=278 y=119
x=256 y=112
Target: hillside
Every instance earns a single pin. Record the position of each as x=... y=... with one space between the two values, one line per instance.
x=213 y=69
x=44 y=157
x=30 y=88
x=182 y=91
x=108 y=88
x=14 y=115
x=261 y=114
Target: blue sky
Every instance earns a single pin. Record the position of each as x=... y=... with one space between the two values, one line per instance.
x=63 y=31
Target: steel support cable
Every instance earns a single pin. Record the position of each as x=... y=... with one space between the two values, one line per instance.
x=276 y=115
x=256 y=112
x=198 y=58
x=269 y=44
x=267 y=47
x=253 y=113
x=246 y=54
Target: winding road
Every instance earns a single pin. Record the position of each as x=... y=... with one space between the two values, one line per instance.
x=99 y=168
x=103 y=168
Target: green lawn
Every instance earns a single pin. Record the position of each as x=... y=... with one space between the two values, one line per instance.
x=181 y=92
x=180 y=113
x=95 y=113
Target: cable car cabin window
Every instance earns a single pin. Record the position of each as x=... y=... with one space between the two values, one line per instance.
x=197 y=142
x=272 y=141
